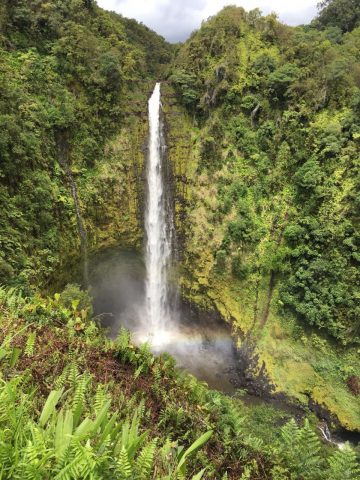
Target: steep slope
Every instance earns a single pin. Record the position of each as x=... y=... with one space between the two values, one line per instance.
x=75 y=405
x=272 y=194
x=74 y=84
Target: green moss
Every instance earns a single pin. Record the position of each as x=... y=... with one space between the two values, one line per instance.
x=303 y=364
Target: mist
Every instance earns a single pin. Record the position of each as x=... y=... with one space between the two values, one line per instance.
x=200 y=343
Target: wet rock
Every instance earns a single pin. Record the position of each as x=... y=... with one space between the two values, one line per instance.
x=248 y=375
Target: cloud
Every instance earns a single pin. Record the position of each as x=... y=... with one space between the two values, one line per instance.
x=176 y=19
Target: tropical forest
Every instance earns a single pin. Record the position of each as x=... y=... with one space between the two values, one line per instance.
x=179 y=245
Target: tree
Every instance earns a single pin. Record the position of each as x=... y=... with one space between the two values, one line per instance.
x=185 y=84
x=344 y=14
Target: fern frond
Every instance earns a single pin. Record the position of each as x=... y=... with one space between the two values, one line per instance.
x=290 y=434
x=79 y=396
x=73 y=374
x=30 y=344
x=123 y=467
x=344 y=465
x=63 y=432
x=82 y=465
x=101 y=397
x=145 y=461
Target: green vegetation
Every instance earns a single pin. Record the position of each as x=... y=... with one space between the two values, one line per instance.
x=263 y=130
x=75 y=405
x=273 y=236
x=342 y=14
x=73 y=88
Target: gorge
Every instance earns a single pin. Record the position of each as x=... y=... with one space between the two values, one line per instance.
x=208 y=194
x=200 y=345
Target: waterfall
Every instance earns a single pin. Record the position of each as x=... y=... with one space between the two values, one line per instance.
x=81 y=229
x=158 y=226
x=62 y=139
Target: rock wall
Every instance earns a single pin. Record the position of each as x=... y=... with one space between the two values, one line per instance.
x=111 y=193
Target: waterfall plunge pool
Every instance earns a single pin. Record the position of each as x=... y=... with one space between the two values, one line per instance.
x=200 y=343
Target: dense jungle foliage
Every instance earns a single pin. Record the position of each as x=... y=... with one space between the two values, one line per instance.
x=68 y=72
x=273 y=115
x=270 y=175
x=279 y=126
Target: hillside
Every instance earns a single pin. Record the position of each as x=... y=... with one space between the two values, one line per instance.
x=272 y=116
x=74 y=82
x=75 y=405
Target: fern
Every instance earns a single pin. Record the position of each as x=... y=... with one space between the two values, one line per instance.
x=344 y=465
x=253 y=442
x=138 y=371
x=157 y=385
x=30 y=344
x=6 y=451
x=82 y=464
x=123 y=346
x=300 y=450
x=309 y=451
x=79 y=396
x=290 y=434
x=31 y=467
x=61 y=381
x=61 y=444
x=101 y=397
x=63 y=432
x=145 y=461
x=71 y=470
x=130 y=437
x=145 y=357
x=14 y=299
x=73 y=374
x=123 y=467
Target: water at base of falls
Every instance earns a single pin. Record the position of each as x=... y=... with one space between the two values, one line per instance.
x=159 y=316
x=201 y=344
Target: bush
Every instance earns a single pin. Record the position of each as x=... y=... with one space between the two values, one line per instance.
x=72 y=294
x=238 y=268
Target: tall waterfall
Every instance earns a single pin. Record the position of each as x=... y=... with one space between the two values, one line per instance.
x=158 y=227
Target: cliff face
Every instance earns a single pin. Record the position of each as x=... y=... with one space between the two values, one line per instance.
x=292 y=354
x=113 y=194
x=265 y=139
x=181 y=157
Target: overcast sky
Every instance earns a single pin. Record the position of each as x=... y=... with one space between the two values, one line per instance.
x=176 y=19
